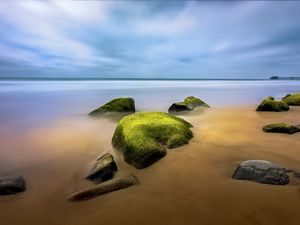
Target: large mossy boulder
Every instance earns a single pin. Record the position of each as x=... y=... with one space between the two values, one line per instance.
x=103 y=169
x=281 y=128
x=293 y=99
x=117 y=105
x=188 y=104
x=12 y=184
x=270 y=104
x=142 y=137
x=262 y=171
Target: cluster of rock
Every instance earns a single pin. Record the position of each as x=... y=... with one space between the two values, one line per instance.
x=262 y=171
x=102 y=173
x=143 y=139
x=270 y=104
x=127 y=105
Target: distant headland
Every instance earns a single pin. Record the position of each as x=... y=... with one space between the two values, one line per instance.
x=284 y=78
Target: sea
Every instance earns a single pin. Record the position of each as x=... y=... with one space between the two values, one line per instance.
x=31 y=103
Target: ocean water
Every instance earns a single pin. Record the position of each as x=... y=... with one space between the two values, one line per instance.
x=25 y=104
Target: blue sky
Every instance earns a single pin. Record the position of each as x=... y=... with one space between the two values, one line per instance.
x=154 y=39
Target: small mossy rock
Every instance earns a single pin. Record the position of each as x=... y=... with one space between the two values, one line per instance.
x=281 y=128
x=194 y=102
x=188 y=104
x=262 y=171
x=12 y=185
x=293 y=99
x=269 y=104
x=103 y=169
x=117 y=105
x=142 y=136
x=105 y=187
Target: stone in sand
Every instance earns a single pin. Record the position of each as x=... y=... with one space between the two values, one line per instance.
x=281 y=128
x=117 y=105
x=188 y=104
x=293 y=99
x=105 y=187
x=103 y=169
x=262 y=172
x=270 y=104
x=143 y=137
x=12 y=185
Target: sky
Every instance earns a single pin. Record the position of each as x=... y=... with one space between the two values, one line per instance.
x=149 y=39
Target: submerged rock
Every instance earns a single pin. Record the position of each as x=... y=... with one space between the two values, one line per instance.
x=103 y=169
x=117 y=105
x=142 y=137
x=188 y=104
x=293 y=99
x=103 y=188
x=12 y=185
x=262 y=172
x=270 y=104
x=281 y=128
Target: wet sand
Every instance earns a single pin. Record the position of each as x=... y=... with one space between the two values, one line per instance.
x=191 y=185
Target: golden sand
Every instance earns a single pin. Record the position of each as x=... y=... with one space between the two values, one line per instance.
x=191 y=185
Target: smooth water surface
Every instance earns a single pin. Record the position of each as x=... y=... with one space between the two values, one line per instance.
x=25 y=104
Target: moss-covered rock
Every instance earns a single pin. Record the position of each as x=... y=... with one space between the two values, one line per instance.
x=117 y=105
x=270 y=104
x=293 y=99
x=188 y=104
x=281 y=128
x=142 y=137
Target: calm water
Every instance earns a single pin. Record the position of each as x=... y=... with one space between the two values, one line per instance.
x=25 y=104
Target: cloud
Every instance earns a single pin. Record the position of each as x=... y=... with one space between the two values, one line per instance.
x=149 y=39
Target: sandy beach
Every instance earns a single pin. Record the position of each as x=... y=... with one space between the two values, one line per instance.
x=191 y=185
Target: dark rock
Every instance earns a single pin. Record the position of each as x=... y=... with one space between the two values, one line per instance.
x=117 y=105
x=103 y=169
x=281 y=128
x=262 y=172
x=269 y=104
x=12 y=185
x=188 y=104
x=103 y=188
x=179 y=106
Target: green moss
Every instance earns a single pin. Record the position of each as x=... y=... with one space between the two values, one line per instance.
x=269 y=104
x=191 y=100
x=281 y=128
x=142 y=136
x=119 y=105
x=188 y=104
x=293 y=99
